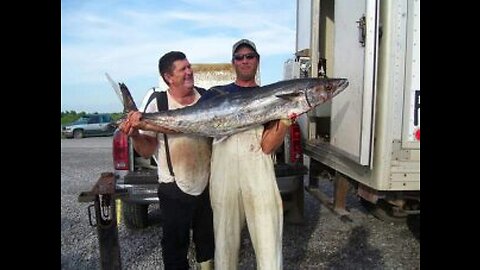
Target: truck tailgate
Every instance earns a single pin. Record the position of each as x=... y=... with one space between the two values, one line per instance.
x=142 y=177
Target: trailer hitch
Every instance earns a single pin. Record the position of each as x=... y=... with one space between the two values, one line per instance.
x=103 y=195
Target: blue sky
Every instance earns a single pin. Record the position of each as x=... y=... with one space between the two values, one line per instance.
x=126 y=39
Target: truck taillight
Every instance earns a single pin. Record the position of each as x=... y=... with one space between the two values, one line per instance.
x=296 y=154
x=120 y=150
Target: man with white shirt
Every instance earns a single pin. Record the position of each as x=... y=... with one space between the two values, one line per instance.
x=183 y=169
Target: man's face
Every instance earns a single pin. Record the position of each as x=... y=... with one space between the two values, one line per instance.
x=245 y=65
x=182 y=75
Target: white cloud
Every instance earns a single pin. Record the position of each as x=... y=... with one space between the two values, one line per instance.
x=127 y=41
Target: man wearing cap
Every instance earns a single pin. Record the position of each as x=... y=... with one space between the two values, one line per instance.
x=243 y=186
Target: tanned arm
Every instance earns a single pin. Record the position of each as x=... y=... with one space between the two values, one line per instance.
x=273 y=135
x=145 y=145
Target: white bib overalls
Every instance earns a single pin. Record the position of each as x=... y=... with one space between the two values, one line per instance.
x=243 y=187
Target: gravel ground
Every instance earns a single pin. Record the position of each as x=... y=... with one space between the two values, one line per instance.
x=323 y=242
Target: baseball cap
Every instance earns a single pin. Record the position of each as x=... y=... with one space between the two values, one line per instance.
x=244 y=42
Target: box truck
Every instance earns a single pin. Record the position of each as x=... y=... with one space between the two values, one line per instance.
x=367 y=139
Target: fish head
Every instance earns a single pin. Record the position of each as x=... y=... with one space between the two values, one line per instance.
x=321 y=90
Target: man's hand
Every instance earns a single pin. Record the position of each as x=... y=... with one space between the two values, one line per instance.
x=133 y=122
x=290 y=120
x=286 y=122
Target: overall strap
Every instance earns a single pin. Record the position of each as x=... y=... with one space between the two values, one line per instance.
x=167 y=151
x=162 y=105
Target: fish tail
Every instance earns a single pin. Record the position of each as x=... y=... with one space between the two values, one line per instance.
x=128 y=103
x=123 y=94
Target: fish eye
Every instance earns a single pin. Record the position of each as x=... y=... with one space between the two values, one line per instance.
x=328 y=87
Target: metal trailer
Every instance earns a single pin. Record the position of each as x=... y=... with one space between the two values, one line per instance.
x=368 y=137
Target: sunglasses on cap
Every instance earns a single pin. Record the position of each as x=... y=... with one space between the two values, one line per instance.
x=249 y=56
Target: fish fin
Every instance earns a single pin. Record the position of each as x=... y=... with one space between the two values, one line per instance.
x=217 y=90
x=115 y=86
x=289 y=95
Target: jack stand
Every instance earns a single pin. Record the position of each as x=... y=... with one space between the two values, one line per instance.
x=103 y=194
x=338 y=204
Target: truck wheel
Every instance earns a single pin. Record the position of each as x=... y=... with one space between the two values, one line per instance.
x=135 y=215
x=383 y=211
x=78 y=134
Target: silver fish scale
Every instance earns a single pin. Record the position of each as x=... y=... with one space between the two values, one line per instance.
x=225 y=115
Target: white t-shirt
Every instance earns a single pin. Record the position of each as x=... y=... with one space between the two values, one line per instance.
x=189 y=155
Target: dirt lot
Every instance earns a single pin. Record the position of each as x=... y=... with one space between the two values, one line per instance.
x=323 y=242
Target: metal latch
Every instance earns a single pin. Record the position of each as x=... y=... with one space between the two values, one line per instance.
x=362 y=30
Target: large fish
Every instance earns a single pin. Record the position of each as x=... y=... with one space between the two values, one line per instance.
x=226 y=114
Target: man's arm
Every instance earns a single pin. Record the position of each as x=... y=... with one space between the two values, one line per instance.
x=273 y=135
x=145 y=145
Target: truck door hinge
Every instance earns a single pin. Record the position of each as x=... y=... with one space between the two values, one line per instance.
x=362 y=29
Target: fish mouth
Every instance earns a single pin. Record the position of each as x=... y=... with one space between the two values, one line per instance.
x=343 y=83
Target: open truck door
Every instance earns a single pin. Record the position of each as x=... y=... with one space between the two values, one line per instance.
x=354 y=57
